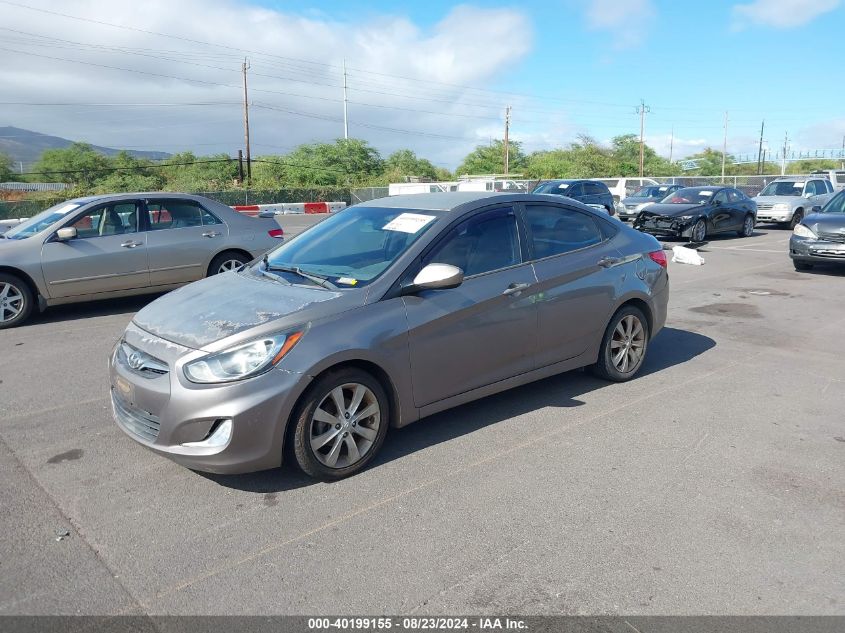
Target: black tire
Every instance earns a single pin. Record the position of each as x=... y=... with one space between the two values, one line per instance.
x=605 y=367
x=303 y=419
x=747 y=229
x=23 y=302
x=698 y=233
x=796 y=219
x=799 y=265
x=215 y=267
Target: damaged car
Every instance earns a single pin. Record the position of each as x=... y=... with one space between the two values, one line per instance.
x=820 y=237
x=698 y=212
x=382 y=314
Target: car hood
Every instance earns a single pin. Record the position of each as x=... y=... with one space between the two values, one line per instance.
x=231 y=303
x=673 y=210
x=826 y=222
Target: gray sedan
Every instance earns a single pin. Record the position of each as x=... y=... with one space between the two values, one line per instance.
x=119 y=245
x=380 y=315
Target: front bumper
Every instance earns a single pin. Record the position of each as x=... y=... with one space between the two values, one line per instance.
x=770 y=215
x=662 y=225
x=164 y=412
x=808 y=249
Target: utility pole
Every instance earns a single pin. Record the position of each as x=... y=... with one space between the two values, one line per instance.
x=725 y=145
x=671 y=143
x=783 y=157
x=507 y=130
x=345 y=107
x=240 y=166
x=760 y=150
x=245 y=67
x=642 y=110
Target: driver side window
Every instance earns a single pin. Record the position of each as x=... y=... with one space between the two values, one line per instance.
x=486 y=242
x=721 y=197
x=112 y=219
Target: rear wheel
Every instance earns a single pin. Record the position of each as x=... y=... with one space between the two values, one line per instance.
x=796 y=218
x=225 y=262
x=747 y=229
x=16 y=301
x=699 y=231
x=623 y=347
x=341 y=424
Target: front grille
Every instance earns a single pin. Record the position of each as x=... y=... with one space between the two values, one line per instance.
x=139 y=362
x=764 y=206
x=144 y=425
x=832 y=237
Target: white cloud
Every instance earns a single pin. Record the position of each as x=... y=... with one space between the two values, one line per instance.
x=780 y=14
x=626 y=21
x=457 y=49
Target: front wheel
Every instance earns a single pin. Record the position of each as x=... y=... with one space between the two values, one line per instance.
x=747 y=229
x=699 y=231
x=340 y=425
x=16 y=301
x=796 y=219
x=623 y=347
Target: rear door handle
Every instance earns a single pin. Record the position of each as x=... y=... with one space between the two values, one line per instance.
x=515 y=288
x=211 y=234
x=607 y=262
x=131 y=244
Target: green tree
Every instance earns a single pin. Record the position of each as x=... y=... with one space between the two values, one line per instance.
x=77 y=163
x=710 y=163
x=626 y=155
x=344 y=162
x=404 y=162
x=5 y=168
x=490 y=159
x=217 y=172
x=130 y=174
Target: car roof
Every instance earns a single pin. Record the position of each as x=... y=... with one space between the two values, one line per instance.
x=135 y=194
x=440 y=201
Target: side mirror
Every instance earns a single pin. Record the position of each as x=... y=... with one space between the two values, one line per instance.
x=436 y=277
x=67 y=233
x=816 y=209
x=808 y=195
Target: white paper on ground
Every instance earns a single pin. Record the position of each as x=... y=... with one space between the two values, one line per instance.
x=684 y=255
x=408 y=222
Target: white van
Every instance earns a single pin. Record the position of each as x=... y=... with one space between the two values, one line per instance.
x=621 y=188
x=491 y=185
x=401 y=188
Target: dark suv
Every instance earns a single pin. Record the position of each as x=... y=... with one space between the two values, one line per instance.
x=590 y=192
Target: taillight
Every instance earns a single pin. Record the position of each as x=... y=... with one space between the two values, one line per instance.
x=659 y=257
x=277 y=233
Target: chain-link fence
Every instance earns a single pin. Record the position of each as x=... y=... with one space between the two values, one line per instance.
x=365 y=194
x=750 y=185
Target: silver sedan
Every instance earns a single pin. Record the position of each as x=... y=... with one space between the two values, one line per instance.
x=118 y=245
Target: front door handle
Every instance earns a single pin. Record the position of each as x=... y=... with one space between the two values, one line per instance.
x=131 y=244
x=211 y=234
x=515 y=289
x=607 y=262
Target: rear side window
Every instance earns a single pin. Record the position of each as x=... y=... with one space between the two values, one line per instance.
x=178 y=214
x=595 y=189
x=575 y=190
x=557 y=230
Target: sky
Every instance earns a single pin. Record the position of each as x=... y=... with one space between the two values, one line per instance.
x=434 y=76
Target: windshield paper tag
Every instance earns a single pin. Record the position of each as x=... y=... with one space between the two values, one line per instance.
x=408 y=222
x=705 y=193
x=348 y=281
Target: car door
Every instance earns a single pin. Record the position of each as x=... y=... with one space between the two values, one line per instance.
x=484 y=330
x=108 y=254
x=576 y=192
x=742 y=205
x=577 y=271
x=183 y=237
x=722 y=214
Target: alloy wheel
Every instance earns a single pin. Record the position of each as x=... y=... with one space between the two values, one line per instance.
x=748 y=226
x=230 y=264
x=11 y=302
x=345 y=425
x=699 y=231
x=627 y=346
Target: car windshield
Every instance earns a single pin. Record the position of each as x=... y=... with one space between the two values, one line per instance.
x=551 y=187
x=355 y=246
x=689 y=196
x=836 y=204
x=783 y=188
x=39 y=222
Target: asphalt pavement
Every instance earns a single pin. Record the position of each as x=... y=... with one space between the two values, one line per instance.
x=711 y=484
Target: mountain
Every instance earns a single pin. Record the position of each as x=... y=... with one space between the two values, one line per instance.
x=26 y=146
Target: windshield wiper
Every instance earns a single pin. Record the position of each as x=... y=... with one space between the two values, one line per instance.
x=320 y=280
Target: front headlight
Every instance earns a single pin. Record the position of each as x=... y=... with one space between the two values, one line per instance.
x=685 y=218
x=242 y=361
x=803 y=231
x=780 y=206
